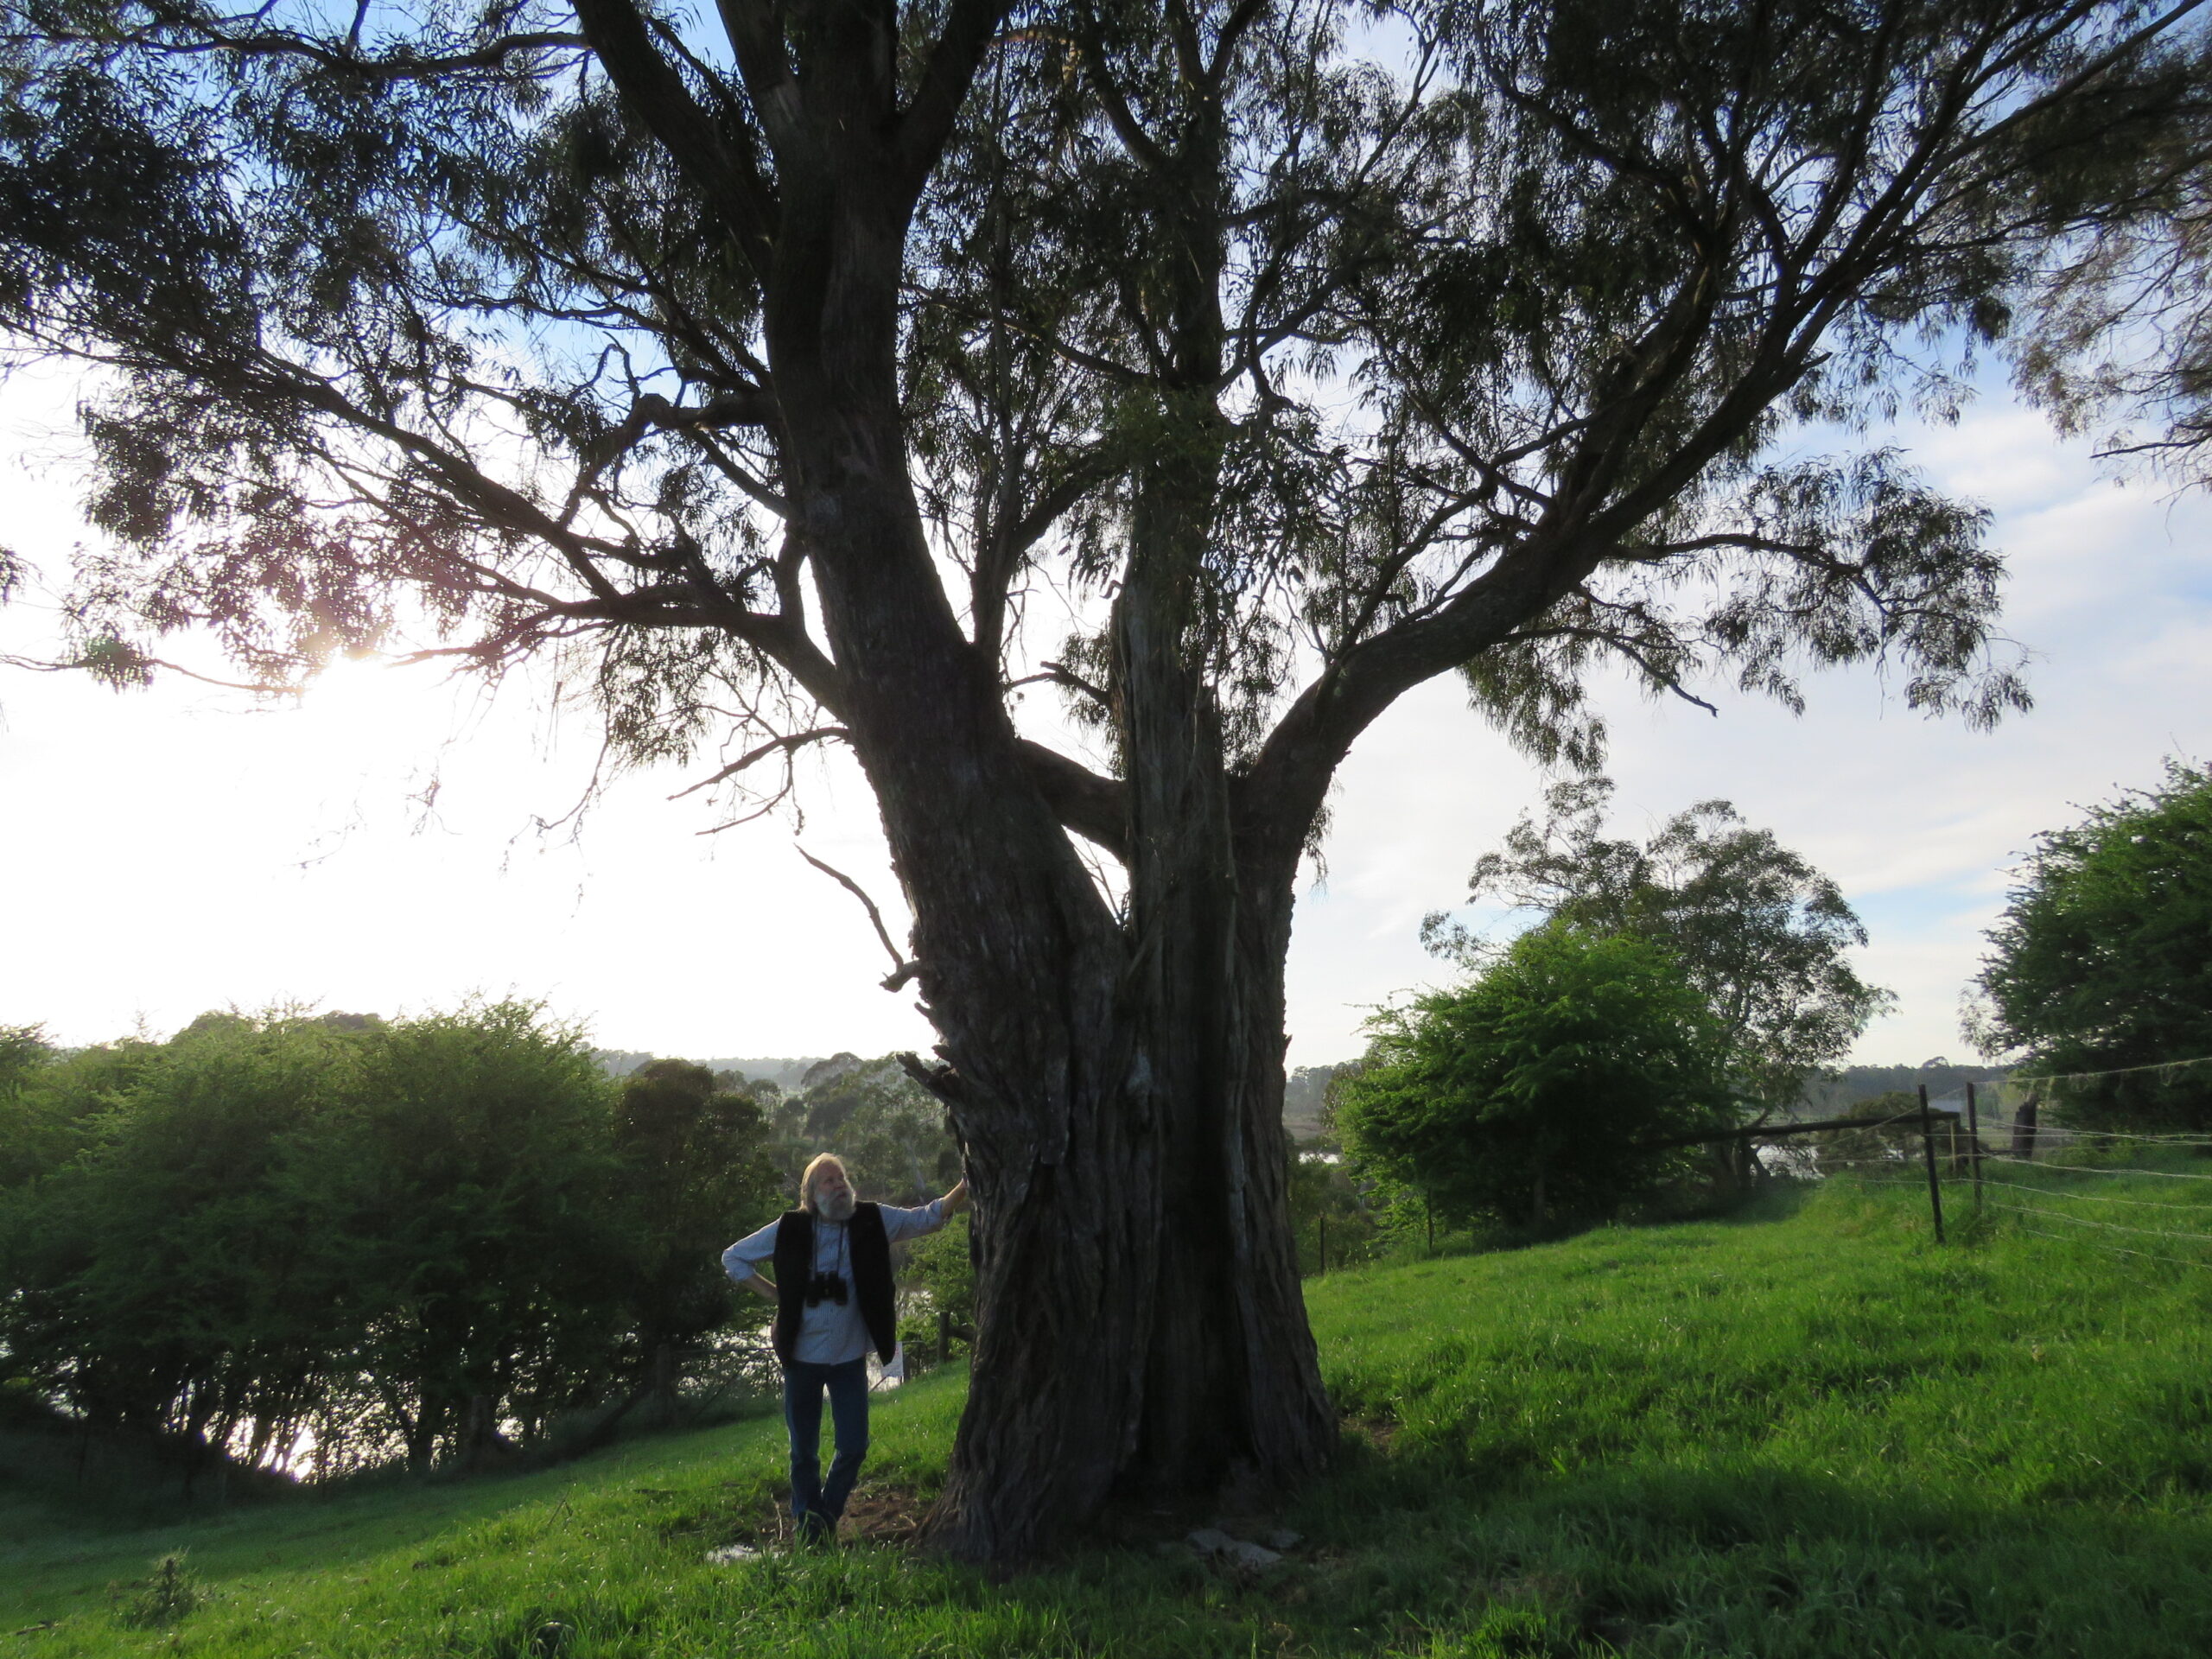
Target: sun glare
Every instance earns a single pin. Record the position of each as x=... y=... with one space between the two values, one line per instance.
x=368 y=707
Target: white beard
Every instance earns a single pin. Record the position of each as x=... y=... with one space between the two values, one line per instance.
x=840 y=1209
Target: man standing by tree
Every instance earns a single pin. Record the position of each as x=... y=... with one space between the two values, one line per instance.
x=834 y=1301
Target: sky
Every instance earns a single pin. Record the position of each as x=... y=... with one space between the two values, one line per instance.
x=382 y=844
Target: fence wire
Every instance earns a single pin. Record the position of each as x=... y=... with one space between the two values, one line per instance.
x=2031 y=1078
x=2091 y=1221
x=2099 y=1198
x=2096 y=1169
x=2093 y=1231
x=2137 y=1136
x=2114 y=1250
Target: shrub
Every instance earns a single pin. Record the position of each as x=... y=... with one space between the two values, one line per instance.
x=1541 y=1089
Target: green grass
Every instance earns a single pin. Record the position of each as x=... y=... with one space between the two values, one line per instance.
x=1809 y=1435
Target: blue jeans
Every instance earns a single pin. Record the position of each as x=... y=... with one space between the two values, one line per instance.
x=804 y=1384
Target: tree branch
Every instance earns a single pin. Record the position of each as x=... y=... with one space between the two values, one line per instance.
x=751 y=758
x=943 y=87
x=664 y=104
x=1095 y=808
x=902 y=969
x=348 y=63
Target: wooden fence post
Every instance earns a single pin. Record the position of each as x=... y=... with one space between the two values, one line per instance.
x=1927 y=1148
x=1973 y=1145
x=2023 y=1125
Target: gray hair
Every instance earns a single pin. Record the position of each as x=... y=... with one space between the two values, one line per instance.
x=815 y=1167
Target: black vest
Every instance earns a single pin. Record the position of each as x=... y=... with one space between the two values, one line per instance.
x=870 y=1256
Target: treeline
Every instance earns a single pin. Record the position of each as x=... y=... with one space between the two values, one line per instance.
x=1839 y=1091
x=326 y=1242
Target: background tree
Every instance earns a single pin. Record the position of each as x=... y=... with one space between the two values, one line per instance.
x=778 y=361
x=891 y=1131
x=410 y=1240
x=474 y=1238
x=1759 y=932
x=1338 y=1216
x=27 y=1119
x=24 y=1049
x=1533 y=1093
x=1895 y=1142
x=937 y=1277
x=2103 y=960
x=413 y=1240
x=1305 y=1100
x=158 y=1268
x=691 y=1164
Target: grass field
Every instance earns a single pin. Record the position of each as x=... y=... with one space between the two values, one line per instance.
x=1808 y=1434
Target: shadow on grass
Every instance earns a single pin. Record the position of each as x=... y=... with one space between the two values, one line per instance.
x=1739 y=1557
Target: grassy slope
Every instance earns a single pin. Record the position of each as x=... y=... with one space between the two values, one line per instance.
x=1810 y=1436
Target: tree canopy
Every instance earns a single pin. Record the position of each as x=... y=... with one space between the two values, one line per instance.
x=421 y=325
x=824 y=372
x=1759 y=932
x=2102 y=961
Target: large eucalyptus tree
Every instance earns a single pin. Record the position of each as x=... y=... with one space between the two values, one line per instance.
x=771 y=362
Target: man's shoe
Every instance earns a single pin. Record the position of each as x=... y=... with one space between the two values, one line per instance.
x=814 y=1530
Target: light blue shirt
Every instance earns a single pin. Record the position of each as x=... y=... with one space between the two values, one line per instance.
x=829 y=1334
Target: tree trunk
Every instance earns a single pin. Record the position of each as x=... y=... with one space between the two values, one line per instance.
x=1114 y=1081
x=661 y=1406
x=1141 y=1331
x=1116 y=1088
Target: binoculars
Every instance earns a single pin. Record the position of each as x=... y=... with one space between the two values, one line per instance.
x=825 y=1287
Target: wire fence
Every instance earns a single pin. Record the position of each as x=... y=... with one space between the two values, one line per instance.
x=2094 y=1169
x=2094 y=1198
x=2074 y=1132
x=2036 y=1177
x=2179 y=1217
x=2026 y=1102
x=2120 y=1250
x=2091 y=1221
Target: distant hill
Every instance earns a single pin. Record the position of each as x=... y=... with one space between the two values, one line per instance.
x=1826 y=1096
x=1301 y=1099
x=784 y=1073
x=1304 y=1092
x=1306 y=1088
